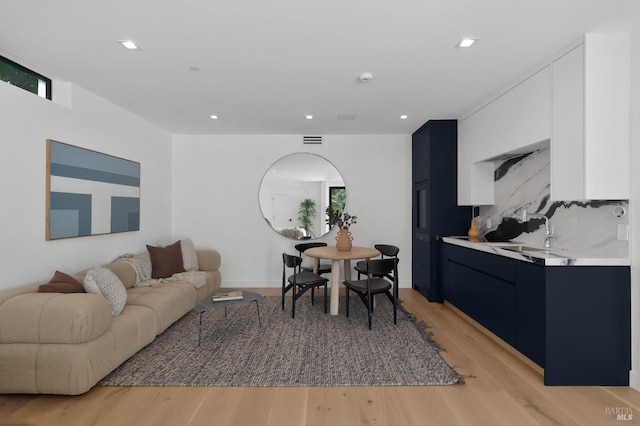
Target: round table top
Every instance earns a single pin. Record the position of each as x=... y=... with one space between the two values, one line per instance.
x=331 y=252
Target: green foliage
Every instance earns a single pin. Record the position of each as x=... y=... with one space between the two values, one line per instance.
x=18 y=77
x=343 y=220
x=338 y=199
x=306 y=213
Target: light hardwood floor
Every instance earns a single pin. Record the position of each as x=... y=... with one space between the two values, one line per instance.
x=499 y=389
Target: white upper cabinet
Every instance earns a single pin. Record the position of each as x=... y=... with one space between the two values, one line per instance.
x=590 y=120
x=475 y=180
x=517 y=119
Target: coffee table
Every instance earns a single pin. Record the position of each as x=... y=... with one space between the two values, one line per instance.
x=207 y=304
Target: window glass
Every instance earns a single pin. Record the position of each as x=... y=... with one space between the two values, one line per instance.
x=24 y=78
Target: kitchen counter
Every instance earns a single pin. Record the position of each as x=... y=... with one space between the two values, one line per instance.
x=533 y=254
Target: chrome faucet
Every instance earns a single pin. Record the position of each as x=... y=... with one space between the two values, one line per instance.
x=548 y=233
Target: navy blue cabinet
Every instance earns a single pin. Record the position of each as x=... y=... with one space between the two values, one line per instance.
x=574 y=321
x=588 y=325
x=482 y=286
x=530 y=311
x=435 y=209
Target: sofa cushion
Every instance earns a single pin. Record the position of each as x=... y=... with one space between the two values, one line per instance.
x=103 y=281
x=54 y=318
x=123 y=270
x=166 y=261
x=169 y=301
x=61 y=283
x=208 y=260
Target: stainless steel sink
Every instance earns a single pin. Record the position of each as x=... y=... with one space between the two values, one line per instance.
x=525 y=248
x=529 y=249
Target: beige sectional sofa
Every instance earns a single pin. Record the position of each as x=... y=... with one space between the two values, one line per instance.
x=56 y=343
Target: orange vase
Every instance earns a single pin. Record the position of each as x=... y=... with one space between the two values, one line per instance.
x=474 y=231
x=343 y=240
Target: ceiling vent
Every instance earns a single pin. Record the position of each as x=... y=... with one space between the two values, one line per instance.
x=312 y=140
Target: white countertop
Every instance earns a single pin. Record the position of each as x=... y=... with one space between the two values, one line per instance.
x=542 y=256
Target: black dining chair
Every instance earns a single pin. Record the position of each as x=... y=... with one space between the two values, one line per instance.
x=386 y=251
x=300 y=281
x=308 y=264
x=378 y=272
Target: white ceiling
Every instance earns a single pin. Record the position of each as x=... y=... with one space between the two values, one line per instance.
x=264 y=65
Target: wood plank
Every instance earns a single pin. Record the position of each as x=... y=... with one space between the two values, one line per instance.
x=499 y=388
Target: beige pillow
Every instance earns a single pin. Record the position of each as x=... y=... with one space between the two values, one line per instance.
x=103 y=281
x=189 y=255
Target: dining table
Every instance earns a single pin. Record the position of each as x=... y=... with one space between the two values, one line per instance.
x=335 y=255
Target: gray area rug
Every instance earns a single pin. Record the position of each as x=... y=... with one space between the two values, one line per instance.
x=313 y=349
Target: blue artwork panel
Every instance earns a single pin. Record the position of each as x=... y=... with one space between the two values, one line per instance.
x=70 y=215
x=125 y=214
x=78 y=163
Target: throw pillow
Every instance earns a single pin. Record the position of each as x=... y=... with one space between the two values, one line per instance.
x=61 y=283
x=103 y=281
x=189 y=255
x=166 y=261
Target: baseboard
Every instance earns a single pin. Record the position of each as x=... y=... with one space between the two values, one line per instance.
x=634 y=380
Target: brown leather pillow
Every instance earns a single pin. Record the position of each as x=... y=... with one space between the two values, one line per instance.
x=165 y=261
x=61 y=283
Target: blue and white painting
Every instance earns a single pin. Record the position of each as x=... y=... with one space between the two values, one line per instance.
x=90 y=193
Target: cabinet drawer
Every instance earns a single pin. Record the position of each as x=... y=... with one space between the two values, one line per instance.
x=491 y=264
x=485 y=298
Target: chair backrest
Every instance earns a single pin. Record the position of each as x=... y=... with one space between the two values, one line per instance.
x=304 y=246
x=383 y=267
x=387 y=250
x=291 y=261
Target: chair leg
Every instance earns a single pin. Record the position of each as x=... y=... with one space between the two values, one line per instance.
x=370 y=309
x=325 y=298
x=395 y=305
x=283 y=291
x=347 y=302
x=293 y=302
x=394 y=301
x=313 y=295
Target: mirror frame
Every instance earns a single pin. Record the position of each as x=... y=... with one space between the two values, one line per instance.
x=296 y=183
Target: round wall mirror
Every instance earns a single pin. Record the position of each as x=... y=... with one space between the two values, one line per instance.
x=295 y=193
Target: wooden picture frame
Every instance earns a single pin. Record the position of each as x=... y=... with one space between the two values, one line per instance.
x=90 y=193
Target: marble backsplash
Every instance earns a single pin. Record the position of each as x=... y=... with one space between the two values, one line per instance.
x=524 y=182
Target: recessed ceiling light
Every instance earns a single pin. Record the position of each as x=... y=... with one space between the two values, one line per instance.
x=365 y=77
x=213 y=117
x=403 y=117
x=466 y=42
x=129 y=44
x=309 y=117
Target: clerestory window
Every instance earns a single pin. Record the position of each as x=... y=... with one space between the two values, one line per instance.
x=24 y=78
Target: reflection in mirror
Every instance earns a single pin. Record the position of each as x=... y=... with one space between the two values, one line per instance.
x=295 y=192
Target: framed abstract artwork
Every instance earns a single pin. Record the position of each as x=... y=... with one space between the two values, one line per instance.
x=90 y=193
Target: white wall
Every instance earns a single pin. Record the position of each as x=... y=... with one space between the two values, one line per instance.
x=634 y=189
x=216 y=181
x=26 y=121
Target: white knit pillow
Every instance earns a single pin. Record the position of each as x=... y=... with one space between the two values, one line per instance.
x=189 y=255
x=103 y=281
